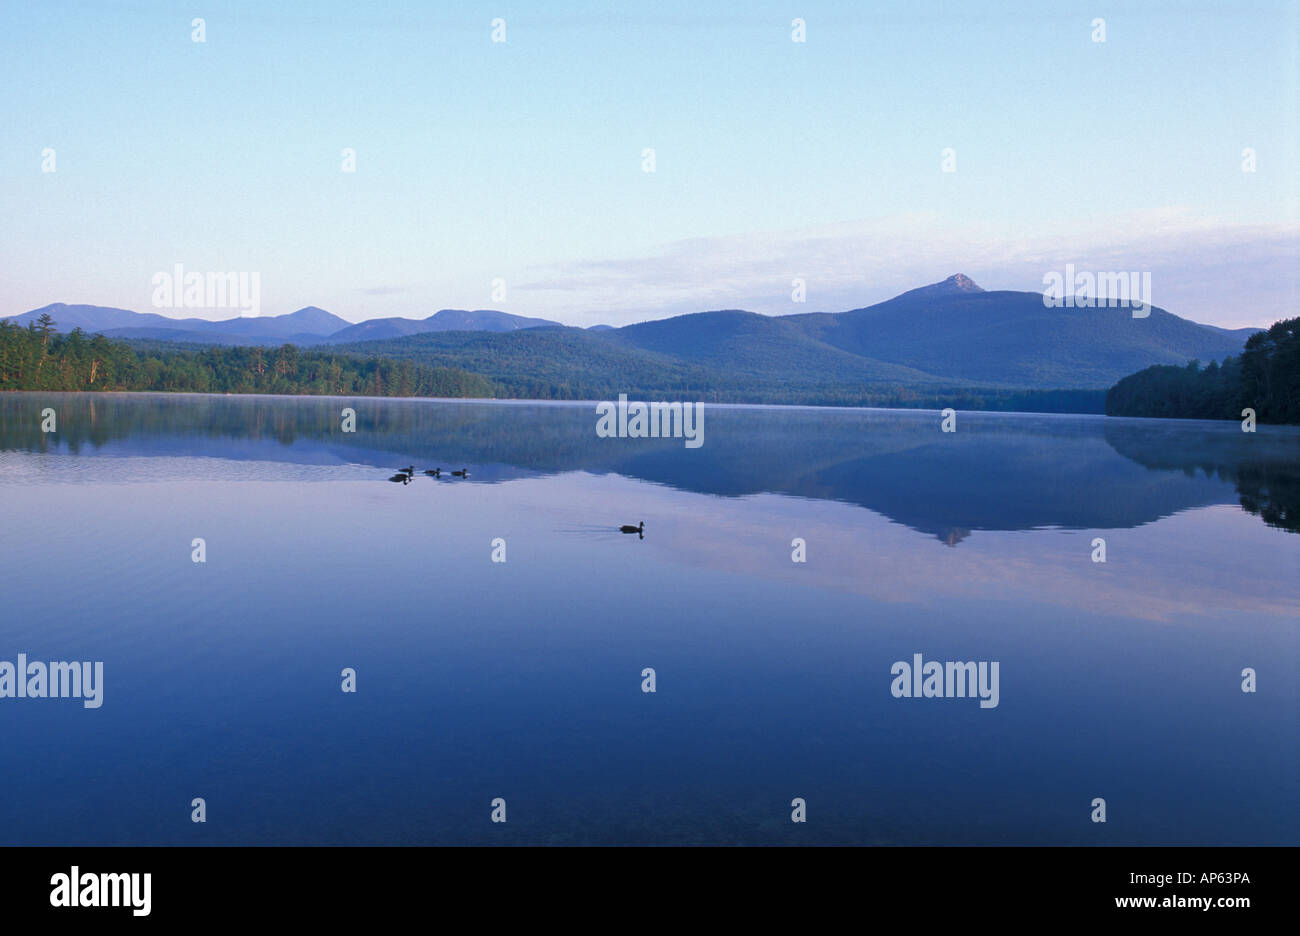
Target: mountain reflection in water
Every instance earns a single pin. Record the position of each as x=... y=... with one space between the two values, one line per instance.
x=996 y=472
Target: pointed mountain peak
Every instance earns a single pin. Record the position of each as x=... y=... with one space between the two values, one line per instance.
x=956 y=285
x=959 y=282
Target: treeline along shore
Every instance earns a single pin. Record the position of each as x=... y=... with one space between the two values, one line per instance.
x=1265 y=377
x=40 y=358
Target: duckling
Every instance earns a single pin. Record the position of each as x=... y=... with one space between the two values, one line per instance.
x=463 y=473
x=640 y=529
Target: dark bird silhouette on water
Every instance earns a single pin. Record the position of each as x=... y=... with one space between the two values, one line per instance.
x=433 y=472
x=409 y=469
x=401 y=476
x=463 y=473
x=639 y=530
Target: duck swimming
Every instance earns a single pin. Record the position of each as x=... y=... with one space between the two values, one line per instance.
x=639 y=530
x=433 y=472
x=463 y=473
x=401 y=476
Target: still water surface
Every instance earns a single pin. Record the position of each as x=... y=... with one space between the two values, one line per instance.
x=522 y=679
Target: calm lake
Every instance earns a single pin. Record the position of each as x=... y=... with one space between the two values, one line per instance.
x=523 y=679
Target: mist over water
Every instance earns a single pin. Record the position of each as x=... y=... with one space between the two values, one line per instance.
x=523 y=679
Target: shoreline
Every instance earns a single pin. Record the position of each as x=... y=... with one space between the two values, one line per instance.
x=524 y=401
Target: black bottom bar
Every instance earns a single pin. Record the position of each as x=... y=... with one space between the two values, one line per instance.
x=335 y=885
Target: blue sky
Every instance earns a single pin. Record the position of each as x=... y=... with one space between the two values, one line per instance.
x=523 y=161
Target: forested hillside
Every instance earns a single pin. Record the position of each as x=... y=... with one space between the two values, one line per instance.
x=1265 y=377
x=574 y=364
x=40 y=358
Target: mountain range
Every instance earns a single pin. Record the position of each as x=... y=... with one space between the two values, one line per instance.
x=308 y=326
x=947 y=334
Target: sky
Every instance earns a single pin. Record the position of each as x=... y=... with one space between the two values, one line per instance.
x=511 y=175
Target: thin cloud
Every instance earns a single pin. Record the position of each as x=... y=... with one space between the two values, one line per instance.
x=1230 y=275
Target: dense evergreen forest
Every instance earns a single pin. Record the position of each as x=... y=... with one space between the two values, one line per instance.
x=1265 y=377
x=40 y=358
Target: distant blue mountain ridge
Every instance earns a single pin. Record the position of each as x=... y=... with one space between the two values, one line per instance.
x=307 y=326
x=947 y=333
